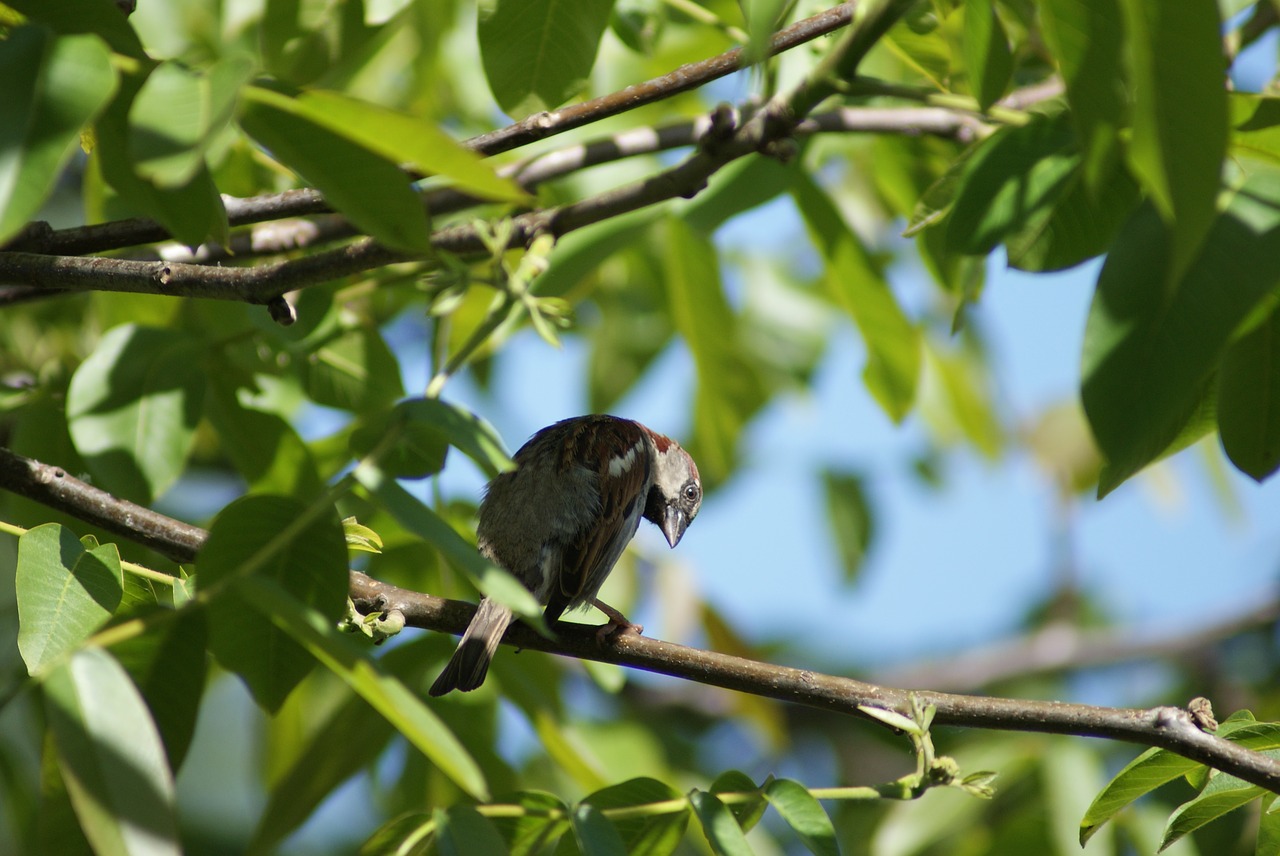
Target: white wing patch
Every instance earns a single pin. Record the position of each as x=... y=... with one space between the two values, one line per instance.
x=618 y=466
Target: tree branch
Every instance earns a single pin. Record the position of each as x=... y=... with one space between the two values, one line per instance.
x=1166 y=727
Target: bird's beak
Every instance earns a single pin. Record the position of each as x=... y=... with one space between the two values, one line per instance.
x=674 y=523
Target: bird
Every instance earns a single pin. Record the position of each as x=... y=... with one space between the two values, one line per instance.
x=561 y=518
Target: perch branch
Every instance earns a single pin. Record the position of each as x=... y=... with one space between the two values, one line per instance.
x=1169 y=728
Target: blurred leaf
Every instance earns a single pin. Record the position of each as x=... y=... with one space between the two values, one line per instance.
x=429 y=423
x=347 y=741
x=406 y=712
x=1071 y=774
x=1153 y=341
x=58 y=85
x=111 y=757
x=268 y=536
x=359 y=537
x=850 y=516
x=986 y=52
x=64 y=593
x=463 y=831
x=747 y=812
x=634 y=327
x=133 y=406
x=856 y=284
x=360 y=183
x=169 y=664
x=1255 y=122
x=1223 y=794
x=966 y=404
x=805 y=815
x=755 y=710
x=1012 y=177
x=1179 y=116
x=193 y=212
x=719 y=826
x=531 y=833
x=1140 y=776
x=263 y=447
x=595 y=834
x=1249 y=400
x=741 y=186
x=177 y=114
x=354 y=370
x=638 y=24
x=72 y=17
x=729 y=390
x=408 y=140
x=1268 y=843
x=644 y=834
x=1079 y=225
x=1086 y=37
x=763 y=18
x=537 y=54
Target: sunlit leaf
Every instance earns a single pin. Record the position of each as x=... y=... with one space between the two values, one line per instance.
x=65 y=592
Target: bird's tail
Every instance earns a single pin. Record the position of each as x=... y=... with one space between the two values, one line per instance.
x=470 y=663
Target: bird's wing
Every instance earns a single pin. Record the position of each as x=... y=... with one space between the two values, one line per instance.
x=617 y=451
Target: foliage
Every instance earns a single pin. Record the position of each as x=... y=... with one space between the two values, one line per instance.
x=1054 y=132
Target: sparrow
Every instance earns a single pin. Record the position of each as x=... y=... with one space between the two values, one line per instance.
x=560 y=520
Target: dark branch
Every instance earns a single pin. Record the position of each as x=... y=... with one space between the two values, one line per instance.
x=1166 y=727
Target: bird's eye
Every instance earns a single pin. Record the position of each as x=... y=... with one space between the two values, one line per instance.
x=691 y=492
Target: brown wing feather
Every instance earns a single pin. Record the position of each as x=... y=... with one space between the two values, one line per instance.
x=597 y=444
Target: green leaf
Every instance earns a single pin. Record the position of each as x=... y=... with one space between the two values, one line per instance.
x=1153 y=340
x=1179 y=115
x=133 y=406
x=111 y=757
x=763 y=18
x=747 y=812
x=538 y=829
x=355 y=370
x=1086 y=38
x=986 y=52
x=966 y=401
x=360 y=183
x=1255 y=122
x=57 y=85
x=263 y=447
x=70 y=17
x=463 y=831
x=408 y=140
x=857 y=284
x=1249 y=399
x=849 y=514
x=649 y=834
x=416 y=722
x=271 y=537
x=805 y=815
x=64 y=591
x=1268 y=842
x=423 y=429
x=1014 y=174
x=347 y=741
x=178 y=113
x=741 y=186
x=537 y=54
x=729 y=388
x=1223 y=794
x=596 y=836
x=1140 y=776
x=719 y=826
x=191 y=212
x=169 y=663
x=415 y=516
x=1079 y=225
